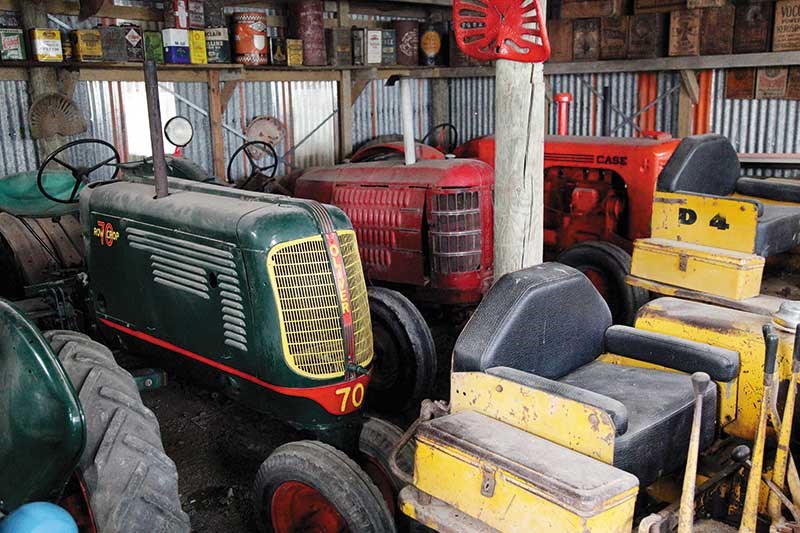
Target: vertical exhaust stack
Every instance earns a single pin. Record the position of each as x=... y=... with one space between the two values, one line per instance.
x=562 y=101
x=407 y=116
x=156 y=138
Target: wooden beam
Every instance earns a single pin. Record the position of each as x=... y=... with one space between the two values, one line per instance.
x=358 y=88
x=63 y=7
x=689 y=81
x=215 y=124
x=345 y=92
x=294 y=74
x=228 y=88
x=685 y=113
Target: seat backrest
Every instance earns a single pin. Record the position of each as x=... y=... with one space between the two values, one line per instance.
x=547 y=320
x=706 y=164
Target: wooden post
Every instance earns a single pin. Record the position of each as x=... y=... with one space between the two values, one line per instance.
x=345 y=92
x=42 y=80
x=215 y=125
x=688 y=96
x=440 y=102
x=519 y=165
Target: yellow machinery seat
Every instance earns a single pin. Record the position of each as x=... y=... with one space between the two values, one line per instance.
x=544 y=328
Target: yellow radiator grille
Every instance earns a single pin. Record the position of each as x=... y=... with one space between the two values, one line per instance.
x=308 y=306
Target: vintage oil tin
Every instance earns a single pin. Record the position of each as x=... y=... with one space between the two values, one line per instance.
x=431 y=45
x=646 y=35
x=359 y=38
x=581 y=9
x=586 y=39
x=176 y=14
x=388 y=48
x=9 y=19
x=154 y=46
x=374 y=47
x=786 y=33
x=46 y=45
x=740 y=83
x=66 y=46
x=407 y=42
x=793 y=84
x=197 y=20
x=294 y=52
x=771 y=82
x=134 y=43
x=560 y=34
x=306 y=24
x=277 y=51
x=250 y=38
x=176 y=46
x=753 y=28
x=197 y=47
x=214 y=13
x=218 y=45
x=716 y=30
x=684 y=32
x=114 y=44
x=338 y=46
x=613 y=37
x=87 y=45
x=12 y=44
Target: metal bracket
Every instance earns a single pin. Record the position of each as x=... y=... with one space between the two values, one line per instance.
x=488 y=483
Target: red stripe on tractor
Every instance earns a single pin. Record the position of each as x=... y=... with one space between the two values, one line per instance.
x=329 y=397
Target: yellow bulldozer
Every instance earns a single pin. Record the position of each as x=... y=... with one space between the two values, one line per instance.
x=559 y=421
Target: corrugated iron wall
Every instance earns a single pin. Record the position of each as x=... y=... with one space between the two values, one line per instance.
x=377 y=111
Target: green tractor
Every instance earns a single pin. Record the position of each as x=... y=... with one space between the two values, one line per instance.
x=76 y=433
x=263 y=295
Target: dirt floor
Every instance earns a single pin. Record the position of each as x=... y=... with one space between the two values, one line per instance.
x=219 y=444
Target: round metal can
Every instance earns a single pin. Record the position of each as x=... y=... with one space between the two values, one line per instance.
x=307 y=24
x=430 y=45
x=250 y=38
x=407 y=38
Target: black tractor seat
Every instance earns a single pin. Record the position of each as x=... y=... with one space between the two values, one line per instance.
x=777 y=189
x=545 y=326
x=778 y=229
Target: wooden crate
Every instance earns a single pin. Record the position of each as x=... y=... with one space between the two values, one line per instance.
x=560 y=34
x=657 y=6
x=740 y=83
x=771 y=82
x=684 y=32
x=786 y=32
x=646 y=35
x=753 y=28
x=586 y=39
x=716 y=30
x=614 y=38
x=579 y=9
x=793 y=84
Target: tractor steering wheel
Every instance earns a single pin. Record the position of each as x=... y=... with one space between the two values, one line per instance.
x=81 y=174
x=267 y=171
x=445 y=130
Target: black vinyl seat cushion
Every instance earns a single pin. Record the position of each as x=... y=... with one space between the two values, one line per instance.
x=704 y=164
x=660 y=407
x=777 y=189
x=778 y=229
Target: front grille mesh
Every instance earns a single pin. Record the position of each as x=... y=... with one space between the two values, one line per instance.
x=308 y=306
x=456 y=240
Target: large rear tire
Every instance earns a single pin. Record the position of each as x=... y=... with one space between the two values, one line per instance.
x=606 y=266
x=311 y=486
x=131 y=483
x=404 y=371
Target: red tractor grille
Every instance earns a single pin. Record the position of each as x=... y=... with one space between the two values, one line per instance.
x=456 y=232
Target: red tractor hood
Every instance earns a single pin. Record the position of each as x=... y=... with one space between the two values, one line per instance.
x=443 y=173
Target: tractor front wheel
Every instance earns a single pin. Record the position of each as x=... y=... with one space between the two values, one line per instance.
x=404 y=371
x=130 y=483
x=311 y=486
x=606 y=266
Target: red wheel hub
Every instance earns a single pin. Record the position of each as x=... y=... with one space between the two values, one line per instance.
x=296 y=507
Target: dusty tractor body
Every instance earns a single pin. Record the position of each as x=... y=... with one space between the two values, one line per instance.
x=426 y=227
x=265 y=291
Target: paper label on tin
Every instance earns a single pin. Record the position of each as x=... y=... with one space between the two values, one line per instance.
x=133 y=37
x=50 y=48
x=374 y=48
x=431 y=43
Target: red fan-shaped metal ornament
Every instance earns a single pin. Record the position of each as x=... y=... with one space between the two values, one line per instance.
x=501 y=29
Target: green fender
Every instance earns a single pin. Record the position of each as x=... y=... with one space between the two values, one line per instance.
x=42 y=428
